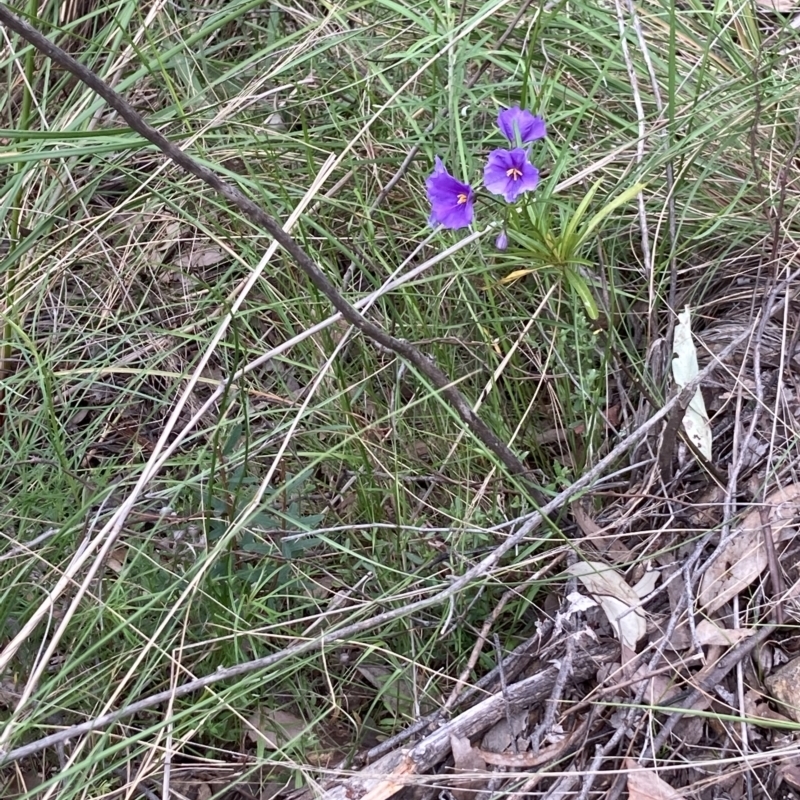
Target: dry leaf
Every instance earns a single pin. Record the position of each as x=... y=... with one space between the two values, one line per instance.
x=116 y=558
x=681 y=638
x=204 y=792
x=515 y=275
x=706 y=507
x=518 y=761
x=791 y=774
x=656 y=686
x=756 y=708
x=274 y=728
x=201 y=255
x=274 y=123
x=499 y=738
x=467 y=759
x=709 y=632
x=608 y=546
x=690 y=730
x=684 y=370
x=588 y=526
x=784 y=686
x=618 y=601
x=646 y=584
x=577 y=603
x=165 y=238
x=271 y=790
x=744 y=557
x=644 y=784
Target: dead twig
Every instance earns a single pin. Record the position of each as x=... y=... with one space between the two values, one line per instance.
x=481 y=569
x=504 y=687
x=552 y=704
x=775 y=575
x=391 y=773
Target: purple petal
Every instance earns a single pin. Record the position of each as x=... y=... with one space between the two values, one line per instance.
x=509 y=173
x=452 y=202
x=456 y=216
x=494 y=173
x=501 y=242
x=516 y=119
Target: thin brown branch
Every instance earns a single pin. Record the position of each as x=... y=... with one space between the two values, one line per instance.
x=257 y=215
x=481 y=569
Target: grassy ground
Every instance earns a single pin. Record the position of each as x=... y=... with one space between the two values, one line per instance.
x=330 y=483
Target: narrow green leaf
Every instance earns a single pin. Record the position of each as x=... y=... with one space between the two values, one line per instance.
x=575 y=221
x=579 y=286
x=618 y=201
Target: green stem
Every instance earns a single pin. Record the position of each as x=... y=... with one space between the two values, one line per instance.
x=16 y=214
x=24 y=120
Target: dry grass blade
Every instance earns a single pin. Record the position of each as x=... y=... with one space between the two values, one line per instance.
x=246 y=551
x=484 y=567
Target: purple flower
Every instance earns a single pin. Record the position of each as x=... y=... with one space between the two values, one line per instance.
x=452 y=202
x=509 y=173
x=501 y=242
x=516 y=120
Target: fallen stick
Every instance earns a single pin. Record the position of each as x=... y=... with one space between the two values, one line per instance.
x=389 y=774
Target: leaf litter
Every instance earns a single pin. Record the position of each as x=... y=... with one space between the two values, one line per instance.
x=647 y=522
x=619 y=601
x=744 y=556
x=657 y=577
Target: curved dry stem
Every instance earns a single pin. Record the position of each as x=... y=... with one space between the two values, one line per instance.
x=404 y=349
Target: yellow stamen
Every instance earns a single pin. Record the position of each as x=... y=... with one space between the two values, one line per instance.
x=461 y=199
x=514 y=173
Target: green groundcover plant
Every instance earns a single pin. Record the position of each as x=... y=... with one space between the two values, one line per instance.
x=509 y=178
